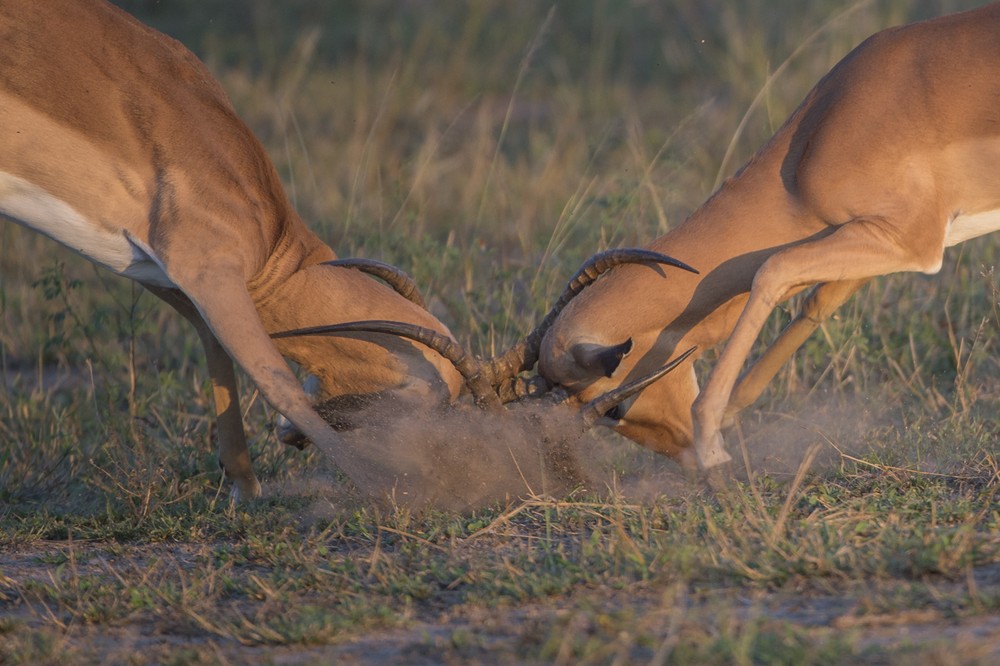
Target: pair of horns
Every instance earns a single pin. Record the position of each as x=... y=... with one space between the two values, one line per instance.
x=493 y=381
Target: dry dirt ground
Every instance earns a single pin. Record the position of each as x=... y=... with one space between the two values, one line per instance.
x=504 y=634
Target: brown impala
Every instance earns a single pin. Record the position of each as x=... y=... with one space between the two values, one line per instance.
x=116 y=142
x=892 y=157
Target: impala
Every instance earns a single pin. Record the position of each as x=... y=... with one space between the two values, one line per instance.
x=892 y=157
x=116 y=142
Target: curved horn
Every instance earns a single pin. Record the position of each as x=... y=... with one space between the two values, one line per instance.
x=469 y=367
x=523 y=355
x=593 y=411
x=487 y=379
x=394 y=277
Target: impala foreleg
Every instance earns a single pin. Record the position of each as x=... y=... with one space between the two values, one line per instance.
x=854 y=253
x=229 y=311
x=817 y=307
x=234 y=456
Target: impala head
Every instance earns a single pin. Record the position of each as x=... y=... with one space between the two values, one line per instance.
x=346 y=369
x=627 y=324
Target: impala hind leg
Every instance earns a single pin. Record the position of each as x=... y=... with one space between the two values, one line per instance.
x=855 y=252
x=824 y=299
x=234 y=456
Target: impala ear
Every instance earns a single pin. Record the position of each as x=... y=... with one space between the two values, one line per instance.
x=602 y=359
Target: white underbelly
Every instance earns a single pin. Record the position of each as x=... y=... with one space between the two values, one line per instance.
x=964 y=227
x=115 y=249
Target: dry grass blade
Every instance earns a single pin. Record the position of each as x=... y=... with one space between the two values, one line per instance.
x=778 y=529
x=503 y=519
x=411 y=536
x=893 y=468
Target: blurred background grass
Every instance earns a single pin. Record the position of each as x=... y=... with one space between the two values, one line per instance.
x=487 y=148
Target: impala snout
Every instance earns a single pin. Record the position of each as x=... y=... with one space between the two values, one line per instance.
x=658 y=418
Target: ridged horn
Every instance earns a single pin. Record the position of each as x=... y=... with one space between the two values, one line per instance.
x=523 y=355
x=402 y=283
x=469 y=367
x=493 y=382
x=594 y=410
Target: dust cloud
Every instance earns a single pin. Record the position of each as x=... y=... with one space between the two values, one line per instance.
x=464 y=458
x=778 y=443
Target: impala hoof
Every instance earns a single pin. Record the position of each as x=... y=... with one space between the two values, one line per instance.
x=289 y=435
x=689 y=466
x=245 y=490
x=719 y=477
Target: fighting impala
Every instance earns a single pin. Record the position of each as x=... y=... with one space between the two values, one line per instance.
x=118 y=143
x=891 y=158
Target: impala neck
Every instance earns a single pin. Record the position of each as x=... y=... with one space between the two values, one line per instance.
x=294 y=249
x=727 y=239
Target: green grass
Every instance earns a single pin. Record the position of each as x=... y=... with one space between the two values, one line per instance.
x=488 y=148
x=551 y=579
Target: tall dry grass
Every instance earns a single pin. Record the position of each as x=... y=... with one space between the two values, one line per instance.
x=487 y=148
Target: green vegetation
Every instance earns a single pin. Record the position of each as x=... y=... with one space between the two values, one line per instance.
x=488 y=148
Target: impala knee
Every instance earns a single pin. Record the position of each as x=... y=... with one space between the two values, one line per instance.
x=771 y=282
x=707 y=410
